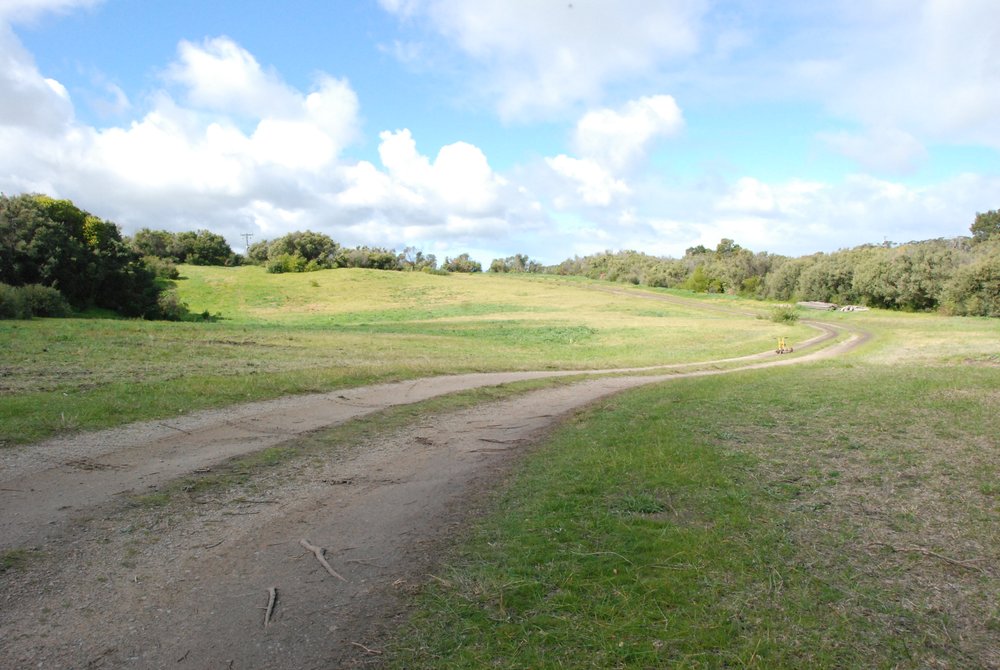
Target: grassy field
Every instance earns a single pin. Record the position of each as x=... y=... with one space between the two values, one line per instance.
x=832 y=515
x=296 y=333
x=840 y=514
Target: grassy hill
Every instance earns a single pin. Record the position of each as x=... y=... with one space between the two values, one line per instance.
x=292 y=333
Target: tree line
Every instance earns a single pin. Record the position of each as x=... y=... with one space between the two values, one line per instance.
x=56 y=257
x=959 y=276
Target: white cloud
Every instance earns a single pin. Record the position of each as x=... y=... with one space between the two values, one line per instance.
x=610 y=142
x=617 y=138
x=883 y=150
x=219 y=75
x=593 y=184
x=233 y=147
x=930 y=69
x=543 y=56
x=29 y=99
x=460 y=178
x=29 y=10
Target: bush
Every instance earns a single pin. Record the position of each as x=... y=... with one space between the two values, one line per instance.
x=162 y=268
x=784 y=314
x=286 y=263
x=24 y=302
x=12 y=304
x=44 y=301
x=170 y=306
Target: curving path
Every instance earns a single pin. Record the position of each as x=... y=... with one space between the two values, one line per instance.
x=187 y=588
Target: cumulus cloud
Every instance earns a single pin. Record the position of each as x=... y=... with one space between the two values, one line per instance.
x=593 y=184
x=29 y=99
x=229 y=145
x=538 y=57
x=617 y=138
x=610 y=142
x=220 y=75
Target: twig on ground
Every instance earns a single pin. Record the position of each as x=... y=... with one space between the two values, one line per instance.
x=210 y=546
x=318 y=553
x=180 y=430
x=272 y=597
x=443 y=581
x=934 y=554
x=370 y=651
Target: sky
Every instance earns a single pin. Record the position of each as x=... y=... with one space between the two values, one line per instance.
x=551 y=128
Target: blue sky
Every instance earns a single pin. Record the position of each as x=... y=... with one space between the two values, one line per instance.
x=526 y=126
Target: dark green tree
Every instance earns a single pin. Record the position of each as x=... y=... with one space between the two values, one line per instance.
x=56 y=244
x=201 y=247
x=316 y=247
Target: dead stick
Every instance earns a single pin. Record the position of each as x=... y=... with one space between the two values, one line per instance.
x=370 y=651
x=272 y=597
x=318 y=553
x=928 y=552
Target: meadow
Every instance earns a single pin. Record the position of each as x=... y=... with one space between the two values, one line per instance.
x=838 y=514
x=832 y=514
x=275 y=335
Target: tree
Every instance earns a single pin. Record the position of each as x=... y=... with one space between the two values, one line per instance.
x=311 y=246
x=975 y=289
x=726 y=247
x=515 y=263
x=56 y=244
x=414 y=259
x=462 y=263
x=201 y=247
x=153 y=243
x=986 y=225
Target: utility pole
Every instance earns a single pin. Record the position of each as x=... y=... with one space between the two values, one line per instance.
x=246 y=238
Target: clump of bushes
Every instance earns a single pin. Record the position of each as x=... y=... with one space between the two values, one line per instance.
x=784 y=314
x=171 y=307
x=24 y=302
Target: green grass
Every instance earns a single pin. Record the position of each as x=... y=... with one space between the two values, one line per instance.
x=15 y=559
x=298 y=333
x=835 y=515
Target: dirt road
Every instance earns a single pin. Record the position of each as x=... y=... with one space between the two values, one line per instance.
x=111 y=585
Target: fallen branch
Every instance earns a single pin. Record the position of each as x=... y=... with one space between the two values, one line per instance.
x=934 y=554
x=376 y=652
x=318 y=553
x=272 y=597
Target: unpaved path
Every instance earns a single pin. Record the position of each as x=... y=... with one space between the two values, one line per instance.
x=120 y=587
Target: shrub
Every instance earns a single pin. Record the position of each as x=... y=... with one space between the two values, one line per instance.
x=24 y=302
x=12 y=304
x=162 y=268
x=171 y=307
x=44 y=301
x=286 y=263
x=784 y=314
